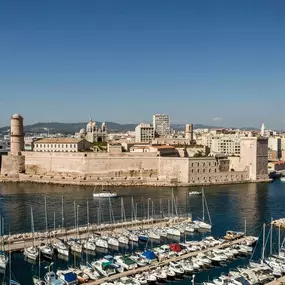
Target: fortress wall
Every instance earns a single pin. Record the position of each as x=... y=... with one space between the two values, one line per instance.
x=171 y=168
x=87 y=163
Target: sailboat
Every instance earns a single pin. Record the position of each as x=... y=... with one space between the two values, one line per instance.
x=3 y=256
x=37 y=279
x=104 y=194
x=46 y=249
x=11 y=282
x=202 y=224
x=32 y=251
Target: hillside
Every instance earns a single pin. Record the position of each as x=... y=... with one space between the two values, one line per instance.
x=71 y=128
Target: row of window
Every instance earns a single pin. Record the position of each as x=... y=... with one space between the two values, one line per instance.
x=203 y=164
x=219 y=178
x=56 y=145
x=204 y=170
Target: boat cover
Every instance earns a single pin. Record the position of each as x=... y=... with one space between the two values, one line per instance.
x=175 y=247
x=149 y=254
x=70 y=277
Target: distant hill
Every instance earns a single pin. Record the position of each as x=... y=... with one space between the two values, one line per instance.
x=71 y=128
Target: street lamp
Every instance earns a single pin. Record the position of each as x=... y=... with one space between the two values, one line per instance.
x=193 y=279
x=48 y=267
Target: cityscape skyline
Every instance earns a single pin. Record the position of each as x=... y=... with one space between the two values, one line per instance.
x=201 y=62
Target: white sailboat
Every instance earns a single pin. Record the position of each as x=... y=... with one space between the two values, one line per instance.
x=32 y=252
x=3 y=256
x=202 y=224
x=37 y=279
x=104 y=194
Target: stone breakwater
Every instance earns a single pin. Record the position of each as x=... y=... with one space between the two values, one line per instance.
x=134 y=182
x=279 y=223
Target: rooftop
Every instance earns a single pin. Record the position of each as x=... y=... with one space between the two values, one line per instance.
x=59 y=140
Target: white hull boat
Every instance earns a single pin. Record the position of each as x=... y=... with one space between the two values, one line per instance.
x=101 y=243
x=31 y=252
x=112 y=241
x=89 y=245
x=61 y=248
x=3 y=260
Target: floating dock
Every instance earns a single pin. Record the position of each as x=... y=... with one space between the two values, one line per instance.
x=162 y=263
x=18 y=242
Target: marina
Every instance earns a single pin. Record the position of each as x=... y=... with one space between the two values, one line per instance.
x=102 y=228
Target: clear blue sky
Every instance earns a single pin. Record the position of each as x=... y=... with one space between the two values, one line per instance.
x=201 y=61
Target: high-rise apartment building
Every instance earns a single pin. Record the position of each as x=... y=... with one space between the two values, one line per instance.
x=144 y=133
x=161 y=124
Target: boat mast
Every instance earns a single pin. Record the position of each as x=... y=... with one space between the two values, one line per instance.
x=46 y=219
x=263 y=244
x=87 y=209
x=62 y=215
x=32 y=226
x=74 y=209
x=54 y=224
x=172 y=204
x=203 y=205
x=271 y=228
x=244 y=227
x=279 y=240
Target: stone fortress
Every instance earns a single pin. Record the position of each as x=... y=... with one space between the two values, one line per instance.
x=127 y=168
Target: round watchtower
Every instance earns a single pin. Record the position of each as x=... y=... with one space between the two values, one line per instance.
x=17 y=134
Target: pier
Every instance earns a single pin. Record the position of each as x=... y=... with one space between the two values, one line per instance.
x=18 y=242
x=163 y=263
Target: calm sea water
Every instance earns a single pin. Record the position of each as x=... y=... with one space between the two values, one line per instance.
x=229 y=207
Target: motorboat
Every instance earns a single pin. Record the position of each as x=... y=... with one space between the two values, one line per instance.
x=105 y=194
x=51 y=279
x=69 y=277
x=176 y=267
x=186 y=266
x=88 y=270
x=3 y=260
x=282 y=178
x=195 y=193
x=141 y=261
x=61 y=248
x=173 y=232
x=82 y=277
x=104 y=267
x=46 y=250
x=31 y=252
x=126 y=262
x=38 y=281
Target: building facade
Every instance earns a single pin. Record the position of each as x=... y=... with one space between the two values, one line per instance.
x=161 y=125
x=144 y=133
x=226 y=145
x=275 y=145
x=61 y=145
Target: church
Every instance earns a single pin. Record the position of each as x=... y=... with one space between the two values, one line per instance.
x=94 y=133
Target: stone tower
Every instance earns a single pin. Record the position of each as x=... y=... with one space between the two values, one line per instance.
x=189 y=132
x=14 y=163
x=17 y=135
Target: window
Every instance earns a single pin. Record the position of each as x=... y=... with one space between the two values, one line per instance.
x=210 y=170
x=204 y=170
x=198 y=170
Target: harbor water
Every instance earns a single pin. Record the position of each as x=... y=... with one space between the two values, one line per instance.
x=229 y=206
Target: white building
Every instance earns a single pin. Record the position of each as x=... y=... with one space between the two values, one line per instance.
x=226 y=145
x=275 y=144
x=144 y=133
x=61 y=145
x=94 y=133
x=161 y=124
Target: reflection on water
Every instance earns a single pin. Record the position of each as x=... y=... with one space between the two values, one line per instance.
x=229 y=205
